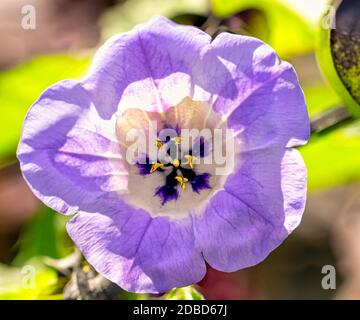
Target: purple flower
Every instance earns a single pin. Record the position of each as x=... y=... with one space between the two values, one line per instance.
x=150 y=226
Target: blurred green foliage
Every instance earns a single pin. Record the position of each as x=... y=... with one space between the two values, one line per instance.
x=22 y=85
x=333 y=158
x=186 y=293
x=40 y=237
x=290 y=33
x=18 y=284
x=45 y=234
x=320 y=97
x=124 y=17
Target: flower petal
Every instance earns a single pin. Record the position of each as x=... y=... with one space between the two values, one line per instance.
x=261 y=100
x=139 y=253
x=149 y=67
x=68 y=154
x=260 y=205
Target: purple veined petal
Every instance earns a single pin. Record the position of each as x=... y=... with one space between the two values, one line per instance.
x=139 y=253
x=68 y=155
x=261 y=204
x=262 y=99
x=150 y=68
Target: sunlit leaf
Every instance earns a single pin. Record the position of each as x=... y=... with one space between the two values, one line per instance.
x=333 y=158
x=44 y=236
x=290 y=32
x=21 y=86
x=320 y=98
x=31 y=281
x=186 y=293
x=125 y=16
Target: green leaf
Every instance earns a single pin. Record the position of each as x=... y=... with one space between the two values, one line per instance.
x=290 y=32
x=22 y=85
x=125 y=16
x=333 y=158
x=320 y=98
x=32 y=281
x=186 y=293
x=44 y=235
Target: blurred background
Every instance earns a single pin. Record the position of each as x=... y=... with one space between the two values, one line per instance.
x=37 y=259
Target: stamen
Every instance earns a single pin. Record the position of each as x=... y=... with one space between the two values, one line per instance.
x=177 y=140
x=182 y=181
x=86 y=268
x=155 y=166
x=178 y=175
x=190 y=160
x=158 y=143
x=176 y=163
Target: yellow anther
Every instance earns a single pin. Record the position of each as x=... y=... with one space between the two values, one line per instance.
x=176 y=163
x=158 y=143
x=155 y=166
x=190 y=160
x=177 y=140
x=86 y=268
x=182 y=181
